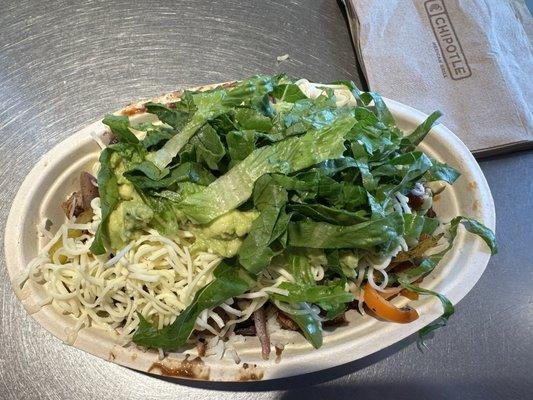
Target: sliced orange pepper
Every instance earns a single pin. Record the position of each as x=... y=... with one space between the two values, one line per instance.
x=409 y=294
x=385 y=309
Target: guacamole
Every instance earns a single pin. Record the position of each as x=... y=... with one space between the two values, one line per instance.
x=131 y=214
x=225 y=234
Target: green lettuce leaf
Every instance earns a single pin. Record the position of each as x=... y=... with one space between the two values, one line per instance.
x=333 y=167
x=176 y=117
x=149 y=170
x=240 y=144
x=400 y=173
x=477 y=228
x=205 y=147
x=250 y=119
x=147 y=176
x=330 y=296
x=415 y=225
x=109 y=198
x=155 y=136
x=309 y=114
x=322 y=213
x=380 y=107
x=288 y=92
x=250 y=92
x=429 y=263
x=167 y=217
x=208 y=104
x=120 y=126
x=183 y=190
x=309 y=324
x=421 y=131
x=256 y=252
x=316 y=185
x=441 y=172
x=365 y=235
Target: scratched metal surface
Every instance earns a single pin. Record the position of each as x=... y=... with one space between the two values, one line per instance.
x=63 y=65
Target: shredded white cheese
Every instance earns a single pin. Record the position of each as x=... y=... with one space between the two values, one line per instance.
x=153 y=275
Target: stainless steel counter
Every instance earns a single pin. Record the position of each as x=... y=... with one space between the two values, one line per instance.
x=63 y=65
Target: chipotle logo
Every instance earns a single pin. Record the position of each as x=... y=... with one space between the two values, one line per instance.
x=447 y=41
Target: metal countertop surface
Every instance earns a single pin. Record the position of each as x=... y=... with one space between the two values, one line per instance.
x=63 y=64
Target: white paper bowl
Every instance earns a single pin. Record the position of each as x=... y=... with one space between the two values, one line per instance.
x=56 y=174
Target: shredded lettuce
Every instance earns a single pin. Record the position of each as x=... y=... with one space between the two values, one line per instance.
x=209 y=105
x=293 y=154
x=321 y=181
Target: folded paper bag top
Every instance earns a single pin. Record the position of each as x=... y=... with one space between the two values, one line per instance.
x=470 y=59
